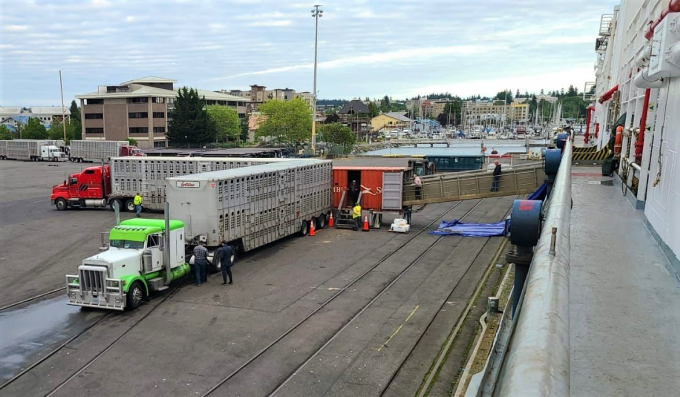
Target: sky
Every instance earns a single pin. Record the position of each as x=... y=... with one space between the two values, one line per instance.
x=399 y=48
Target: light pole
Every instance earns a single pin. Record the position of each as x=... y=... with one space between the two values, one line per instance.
x=316 y=14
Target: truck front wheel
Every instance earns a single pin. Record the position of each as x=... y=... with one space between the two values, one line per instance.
x=113 y=205
x=61 y=204
x=135 y=295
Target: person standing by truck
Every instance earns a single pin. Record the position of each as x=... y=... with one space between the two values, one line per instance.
x=200 y=259
x=224 y=255
x=356 y=216
x=138 y=204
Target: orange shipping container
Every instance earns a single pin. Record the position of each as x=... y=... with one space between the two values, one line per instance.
x=371 y=182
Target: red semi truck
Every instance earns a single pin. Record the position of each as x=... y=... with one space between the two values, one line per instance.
x=102 y=186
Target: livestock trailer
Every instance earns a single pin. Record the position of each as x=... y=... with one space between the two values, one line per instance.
x=32 y=149
x=91 y=150
x=146 y=175
x=253 y=206
x=381 y=182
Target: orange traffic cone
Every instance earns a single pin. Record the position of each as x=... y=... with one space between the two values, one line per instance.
x=330 y=220
x=366 y=227
x=311 y=227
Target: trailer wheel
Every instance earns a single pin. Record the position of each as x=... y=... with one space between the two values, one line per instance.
x=135 y=296
x=321 y=221
x=304 y=228
x=130 y=205
x=61 y=204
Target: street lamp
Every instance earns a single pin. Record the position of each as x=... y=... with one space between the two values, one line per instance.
x=316 y=14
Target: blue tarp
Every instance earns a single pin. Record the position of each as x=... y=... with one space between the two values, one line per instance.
x=540 y=193
x=458 y=228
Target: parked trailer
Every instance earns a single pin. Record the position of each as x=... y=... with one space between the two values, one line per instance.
x=102 y=186
x=381 y=181
x=253 y=206
x=89 y=150
x=146 y=175
x=32 y=150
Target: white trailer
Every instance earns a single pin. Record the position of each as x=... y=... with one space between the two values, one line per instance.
x=253 y=206
x=32 y=150
x=146 y=175
x=89 y=150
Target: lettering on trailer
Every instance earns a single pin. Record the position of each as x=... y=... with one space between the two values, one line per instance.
x=368 y=190
x=364 y=190
x=188 y=184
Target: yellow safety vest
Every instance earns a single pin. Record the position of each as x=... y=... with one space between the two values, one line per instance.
x=356 y=211
x=138 y=200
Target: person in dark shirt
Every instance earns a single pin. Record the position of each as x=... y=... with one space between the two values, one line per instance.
x=353 y=193
x=496 y=176
x=224 y=255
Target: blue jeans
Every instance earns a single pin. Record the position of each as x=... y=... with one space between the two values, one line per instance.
x=494 y=185
x=200 y=271
x=138 y=207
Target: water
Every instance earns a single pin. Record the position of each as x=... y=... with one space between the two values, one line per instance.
x=32 y=331
x=462 y=148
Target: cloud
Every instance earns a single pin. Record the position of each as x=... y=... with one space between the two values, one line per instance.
x=15 y=28
x=286 y=22
x=374 y=48
x=376 y=58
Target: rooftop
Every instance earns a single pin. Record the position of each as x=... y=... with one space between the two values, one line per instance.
x=137 y=90
x=36 y=110
x=397 y=115
x=150 y=80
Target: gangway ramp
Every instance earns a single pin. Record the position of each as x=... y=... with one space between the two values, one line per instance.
x=439 y=188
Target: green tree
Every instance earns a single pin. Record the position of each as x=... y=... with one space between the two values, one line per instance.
x=385 y=104
x=75 y=111
x=74 y=130
x=332 y=118
x=288 y=121
x=452 y=111
x=56 y=131
x=339 y=138
x=245 y=128
x=190 y=121
x=502 y=95
x=572 y=91
x=5 y=133
x=533 y=105
x=373 y=109
x=226 y=122
x=132 y=141
x=34 y=130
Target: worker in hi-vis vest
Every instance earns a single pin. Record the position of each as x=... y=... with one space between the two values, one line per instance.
x=356 y=216
x=138 y=204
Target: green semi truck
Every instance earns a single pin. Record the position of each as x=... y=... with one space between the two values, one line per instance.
x=140 y=259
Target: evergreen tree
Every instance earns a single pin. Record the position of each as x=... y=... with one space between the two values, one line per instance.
x=75 y=111
x=245 y=128
x=373 y=108
x=190 y=121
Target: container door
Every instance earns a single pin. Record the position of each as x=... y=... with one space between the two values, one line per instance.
x=392 y=190
x=282 y=191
